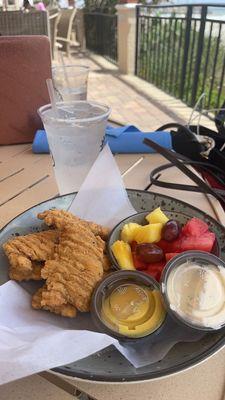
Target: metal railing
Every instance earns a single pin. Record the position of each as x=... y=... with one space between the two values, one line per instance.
x=181 y=49
x=101 y=33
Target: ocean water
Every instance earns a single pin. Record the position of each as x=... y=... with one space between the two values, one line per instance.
x=217 y=12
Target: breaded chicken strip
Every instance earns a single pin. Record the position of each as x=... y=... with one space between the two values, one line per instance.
x=75 y=270
x=58 y=218
x=66 y=310
x=28 y=253
x=106 y=263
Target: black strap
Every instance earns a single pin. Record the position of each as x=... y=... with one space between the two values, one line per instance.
x=178 y=126
x=198 y=165
x=177 y=186
x=173 y=158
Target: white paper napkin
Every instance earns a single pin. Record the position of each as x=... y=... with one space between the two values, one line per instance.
x=32 y=341
x=102 y=197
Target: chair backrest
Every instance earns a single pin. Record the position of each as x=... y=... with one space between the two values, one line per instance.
x=52 y=12
x=14 y=23
x=25 y=64
x=65 y=23
x=78 y=27
x=54 y=16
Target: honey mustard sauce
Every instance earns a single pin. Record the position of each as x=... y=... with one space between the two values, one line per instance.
x=133 y=310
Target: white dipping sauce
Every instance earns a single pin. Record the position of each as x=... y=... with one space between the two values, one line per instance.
x=197 y=293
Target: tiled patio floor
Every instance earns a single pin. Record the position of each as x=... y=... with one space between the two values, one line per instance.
x=128 y=106
x=133 y=101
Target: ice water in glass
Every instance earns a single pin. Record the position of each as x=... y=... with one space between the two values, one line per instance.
x=75 y=134
x=70 y=82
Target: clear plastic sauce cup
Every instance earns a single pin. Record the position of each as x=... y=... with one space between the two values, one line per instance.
x=128 y=305
x=193 y=287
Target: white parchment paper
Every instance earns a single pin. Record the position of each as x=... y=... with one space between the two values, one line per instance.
x=32 y=341
x=102 y=197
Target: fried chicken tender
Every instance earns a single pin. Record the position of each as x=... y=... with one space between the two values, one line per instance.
x=58 y=218
x=66 y=310
x=106 y=263
x=23 y=269
x=28 y=253
x=76 y=268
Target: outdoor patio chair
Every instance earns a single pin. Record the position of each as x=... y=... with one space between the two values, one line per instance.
x=25 y=64
x=78 y=28
x=54 y=16
x=14 y=23
x=65 y=25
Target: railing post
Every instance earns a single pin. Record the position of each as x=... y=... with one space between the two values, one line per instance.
x=199 y=55
x=137 y=39
x=186 y=50
x=126 y=37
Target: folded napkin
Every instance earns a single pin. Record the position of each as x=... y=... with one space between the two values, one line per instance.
x=129 y=139
x=40 y=143
x=126 y=139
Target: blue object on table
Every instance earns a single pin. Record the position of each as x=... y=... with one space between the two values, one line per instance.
x=40 y=143
x=129 y=139
x=126 y=139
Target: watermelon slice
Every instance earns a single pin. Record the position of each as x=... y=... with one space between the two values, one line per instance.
x=140 y=265
x=195 y=227
x=204 y=242
x=169 y=256
x=195 y=235
x=170 y=247
x=155 y=270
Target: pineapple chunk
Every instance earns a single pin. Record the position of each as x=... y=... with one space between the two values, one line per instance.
x=157 y=216
x=123 y=255
x=149 y=233
x=128 y=232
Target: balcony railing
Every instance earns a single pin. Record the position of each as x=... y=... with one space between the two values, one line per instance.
x=101 y=33
x=182 y=51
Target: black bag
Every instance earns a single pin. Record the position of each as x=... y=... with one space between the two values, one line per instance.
x=205 y=152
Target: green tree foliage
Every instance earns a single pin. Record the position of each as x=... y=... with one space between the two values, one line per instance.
x=103 y=5
x=165 y=59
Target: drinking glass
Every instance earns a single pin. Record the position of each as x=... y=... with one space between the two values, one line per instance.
x=75 y=132
x=70 y=82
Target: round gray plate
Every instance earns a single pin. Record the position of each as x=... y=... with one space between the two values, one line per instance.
x=109 y=365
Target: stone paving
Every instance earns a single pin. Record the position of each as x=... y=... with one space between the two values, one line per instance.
x=133 y=100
